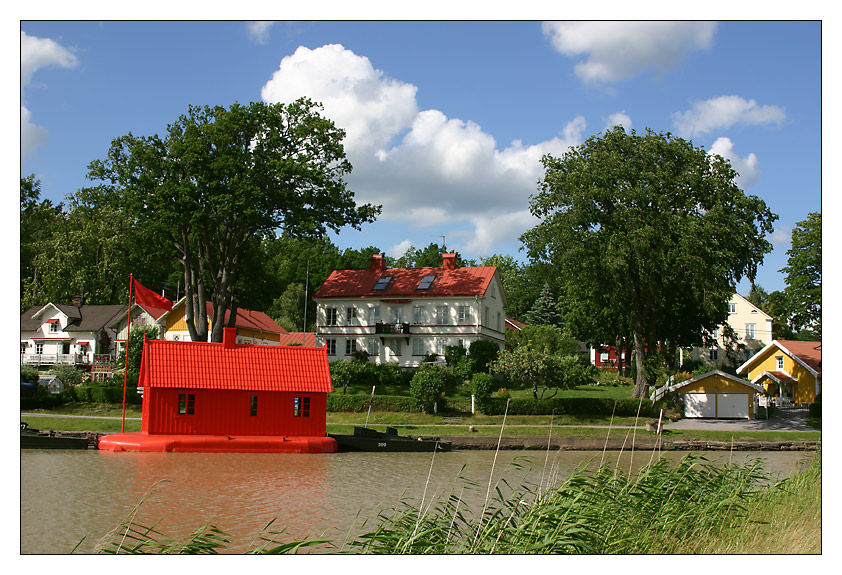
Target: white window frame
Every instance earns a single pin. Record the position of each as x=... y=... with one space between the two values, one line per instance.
x=442 y=315
x=331 y=346
x=373 y=315
x=418 y=346
x=396 y=315
x=395 y=347
x=464 y=314
x=751 y=331
x=350 y=346
x=373 y=346
x=419 y=315
x=732 y=308
x=330 y=316
x=779 y=362
x=350 y=314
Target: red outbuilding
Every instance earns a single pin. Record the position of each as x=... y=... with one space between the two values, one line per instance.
x=200 y=396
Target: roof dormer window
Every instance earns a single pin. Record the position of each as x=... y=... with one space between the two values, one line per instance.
x=383 y=282
x=426 y=281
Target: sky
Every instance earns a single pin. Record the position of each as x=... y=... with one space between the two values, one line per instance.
x=446 y=121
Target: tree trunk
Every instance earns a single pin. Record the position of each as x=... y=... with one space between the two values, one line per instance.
x=641 y=384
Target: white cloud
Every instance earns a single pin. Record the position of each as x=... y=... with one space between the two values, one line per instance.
x=746 y=168
x=723 y=112
x=37 y=53
x=617 y=51
x=259 y=30
x=781 y=236
x=619 y=119
x=399 y=249
x=424 y=168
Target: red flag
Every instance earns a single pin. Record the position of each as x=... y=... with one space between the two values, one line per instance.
x=148 y=298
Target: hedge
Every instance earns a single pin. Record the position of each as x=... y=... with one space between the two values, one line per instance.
x=572 y=406
x=359 y=403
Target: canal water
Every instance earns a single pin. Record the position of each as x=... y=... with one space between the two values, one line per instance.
x=72 y=496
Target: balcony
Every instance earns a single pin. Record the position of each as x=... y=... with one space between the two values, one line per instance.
x=392 y=328
x=55 y=359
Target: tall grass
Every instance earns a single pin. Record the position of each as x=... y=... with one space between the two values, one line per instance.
x=689 y=506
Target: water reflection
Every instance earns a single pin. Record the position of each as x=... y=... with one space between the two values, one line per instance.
x=66 y=495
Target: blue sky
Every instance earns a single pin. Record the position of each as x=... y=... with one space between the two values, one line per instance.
x=446 y=121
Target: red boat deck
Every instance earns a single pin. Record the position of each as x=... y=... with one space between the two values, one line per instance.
x=216 y=443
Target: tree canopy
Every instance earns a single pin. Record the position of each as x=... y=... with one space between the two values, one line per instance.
x=647 y=237
x=221 y=178
x=803 y=271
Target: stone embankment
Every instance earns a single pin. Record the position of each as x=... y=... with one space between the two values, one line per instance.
x=627 y=443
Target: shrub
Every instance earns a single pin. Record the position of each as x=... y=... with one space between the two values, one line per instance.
x=359 y=403
x=572 y=406
x=816 y=407
x=427 y=386
x=28 y=374
x=483 y=352
x=482 y=386
x=68 y=374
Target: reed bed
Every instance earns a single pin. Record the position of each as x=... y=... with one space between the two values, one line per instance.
x=688 y=506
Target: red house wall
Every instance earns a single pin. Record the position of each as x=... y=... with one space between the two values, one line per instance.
x=228 y=412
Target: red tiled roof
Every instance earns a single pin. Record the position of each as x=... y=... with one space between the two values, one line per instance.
x=780 y=376
x=246 y=318
x=810 y=352
x=295 y=338
x=203 y=365
x=466 y=281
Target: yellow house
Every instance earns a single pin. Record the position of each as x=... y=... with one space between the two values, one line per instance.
x=790 y=371
x=253 y=327
x=715 y=394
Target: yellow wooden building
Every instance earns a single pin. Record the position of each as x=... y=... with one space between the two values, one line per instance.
x=790 y=371
x=253 y=327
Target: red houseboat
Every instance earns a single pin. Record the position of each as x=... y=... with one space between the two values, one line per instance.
x=228 y=397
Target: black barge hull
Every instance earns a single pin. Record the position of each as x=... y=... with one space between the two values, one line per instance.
x=365 y=439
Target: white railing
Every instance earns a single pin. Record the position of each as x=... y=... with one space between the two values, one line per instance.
x=54 y=359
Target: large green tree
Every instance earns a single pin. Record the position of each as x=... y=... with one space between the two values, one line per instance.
x=650 y=232
x=222 y=177
x=804 y=276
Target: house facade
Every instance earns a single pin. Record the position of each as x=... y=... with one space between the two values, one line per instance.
x=752 y=327
x=405 y=316
x=790 y=371
x=253 y=327
x=60 y=334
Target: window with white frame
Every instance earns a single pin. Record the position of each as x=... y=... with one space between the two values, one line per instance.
x=39 y=349
x=779 y=361
x=350 y=314
x=750 y=334
x=418 y=346
x=732 y=308
x=396 y=347
x=464 y=312
x=373 y=346
x=395 y=315
x=53 y=326
x=331 y=346
x=442 y=315
x=419 y=315
x=350 y=346
x=373 y=315
x=330 y=316
x=441 y=343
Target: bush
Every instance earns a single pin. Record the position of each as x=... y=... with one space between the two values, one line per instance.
x=68 y=374
x=816 y=407
x=101 y=394
x=482 y=386
x=483 y=352
x=29 y=374
x=427 y=386
x=359 y=403
x=572 y=406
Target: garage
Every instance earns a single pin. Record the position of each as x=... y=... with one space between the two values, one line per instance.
x=715 y=395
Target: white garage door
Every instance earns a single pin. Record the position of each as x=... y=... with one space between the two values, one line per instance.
x=699 y=405
x=732 y=405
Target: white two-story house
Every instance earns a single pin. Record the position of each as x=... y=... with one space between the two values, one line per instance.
x=405 y=316
x=55 y=334
x=752 y=327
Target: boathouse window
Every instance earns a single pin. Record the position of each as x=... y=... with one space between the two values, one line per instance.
x=253 y=406
x=186 y=403
x=301 y=407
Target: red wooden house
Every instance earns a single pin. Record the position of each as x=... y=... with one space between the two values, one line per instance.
x=200 y=396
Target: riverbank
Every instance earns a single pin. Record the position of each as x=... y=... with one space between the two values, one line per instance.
x=626 y=443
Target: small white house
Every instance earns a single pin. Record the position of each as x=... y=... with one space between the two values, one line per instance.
x=403 y=316
x=59 y=334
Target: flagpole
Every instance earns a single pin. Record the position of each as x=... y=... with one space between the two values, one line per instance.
x=126 y=359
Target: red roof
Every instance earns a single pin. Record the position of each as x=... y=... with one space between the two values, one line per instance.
x=203 y=365
x=296 y=338
x=780 y=376
x=448 y=281
x=246 y=318
x=810 y=352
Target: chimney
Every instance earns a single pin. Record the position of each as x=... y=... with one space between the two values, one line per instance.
x=378 y=264
x=78 y=301
x=229 y=337
x=448 y=261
